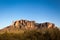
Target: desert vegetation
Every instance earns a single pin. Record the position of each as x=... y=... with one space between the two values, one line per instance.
x=38 y=34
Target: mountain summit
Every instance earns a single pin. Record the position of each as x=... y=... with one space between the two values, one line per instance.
x=27 y=25
x=31 y=24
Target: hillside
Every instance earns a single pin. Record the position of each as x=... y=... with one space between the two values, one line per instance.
x=30 y=30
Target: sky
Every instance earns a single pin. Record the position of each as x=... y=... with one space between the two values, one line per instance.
x=37 y=10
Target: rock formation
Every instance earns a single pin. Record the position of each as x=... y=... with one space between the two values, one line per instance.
x=46 y=25
x=31 y=24
x=24 y=24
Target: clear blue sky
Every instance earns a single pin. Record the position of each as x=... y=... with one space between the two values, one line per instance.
x=38 y=10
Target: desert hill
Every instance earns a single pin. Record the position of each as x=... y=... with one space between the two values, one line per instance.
x=27 y=25
x=30 y=30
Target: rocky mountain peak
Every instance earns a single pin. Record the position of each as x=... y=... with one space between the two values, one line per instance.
x=28 y=25
x=31 y=24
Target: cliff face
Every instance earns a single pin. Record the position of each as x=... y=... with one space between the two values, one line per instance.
x=28 y=25
x=24 y=24
x=46 y=25
x=31 y=24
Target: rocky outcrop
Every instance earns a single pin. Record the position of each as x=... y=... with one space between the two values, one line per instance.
x=46 y=25
x=25 y=24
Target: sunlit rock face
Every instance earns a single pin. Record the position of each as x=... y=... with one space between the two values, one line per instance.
x=45 y=25
x=25 y=24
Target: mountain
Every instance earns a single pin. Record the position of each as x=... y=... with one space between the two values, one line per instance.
x=26 y=25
